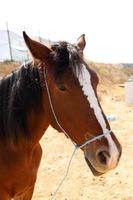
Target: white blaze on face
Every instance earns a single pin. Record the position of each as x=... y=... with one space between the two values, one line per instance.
x=85 y=81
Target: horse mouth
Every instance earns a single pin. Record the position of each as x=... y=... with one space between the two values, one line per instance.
x=93 y=170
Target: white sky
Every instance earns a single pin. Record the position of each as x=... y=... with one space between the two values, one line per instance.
x=108 y=24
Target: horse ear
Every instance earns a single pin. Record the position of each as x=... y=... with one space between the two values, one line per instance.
x=38 y=50
x=81 y=42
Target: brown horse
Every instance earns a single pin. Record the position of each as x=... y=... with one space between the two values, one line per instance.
x=57 y=88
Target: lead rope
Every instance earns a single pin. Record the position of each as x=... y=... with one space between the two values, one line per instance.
x=65 y=175
x=62 y=129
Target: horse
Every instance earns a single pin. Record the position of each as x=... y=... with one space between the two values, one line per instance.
x=55 y=88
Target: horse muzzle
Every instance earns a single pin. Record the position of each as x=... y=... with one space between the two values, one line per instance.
x=102 y=162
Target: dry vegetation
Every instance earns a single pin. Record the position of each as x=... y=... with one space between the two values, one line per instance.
x=7 y=67
x=112 y=73
x=112 y=77
x=80 y=183
x=108 y=73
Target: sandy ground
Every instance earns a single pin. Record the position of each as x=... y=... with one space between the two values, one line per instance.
x=80 y=183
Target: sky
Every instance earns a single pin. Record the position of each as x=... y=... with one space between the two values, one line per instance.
x=107 y=24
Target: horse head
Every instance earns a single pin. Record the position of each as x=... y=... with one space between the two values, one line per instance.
x=73 y=92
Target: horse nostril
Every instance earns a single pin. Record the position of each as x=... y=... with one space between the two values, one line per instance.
x=102 y=157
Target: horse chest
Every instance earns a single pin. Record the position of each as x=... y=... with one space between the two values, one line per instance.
x=18 y=171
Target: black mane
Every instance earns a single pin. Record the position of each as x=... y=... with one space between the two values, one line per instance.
x=19 y=93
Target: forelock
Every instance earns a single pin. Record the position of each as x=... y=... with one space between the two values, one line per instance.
x=64 y=56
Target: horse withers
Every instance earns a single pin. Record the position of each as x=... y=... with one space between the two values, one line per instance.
x=56 y=88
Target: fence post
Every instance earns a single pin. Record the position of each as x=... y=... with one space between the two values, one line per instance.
x=39 y=37
x=9 y=42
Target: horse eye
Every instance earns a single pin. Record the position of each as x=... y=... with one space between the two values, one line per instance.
x=62 y=88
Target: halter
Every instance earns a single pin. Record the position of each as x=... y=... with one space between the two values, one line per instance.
x=44 y=83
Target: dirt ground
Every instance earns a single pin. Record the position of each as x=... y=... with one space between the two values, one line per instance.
x=80 y=184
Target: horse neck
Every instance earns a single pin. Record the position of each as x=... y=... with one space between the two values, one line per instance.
x=39 y=121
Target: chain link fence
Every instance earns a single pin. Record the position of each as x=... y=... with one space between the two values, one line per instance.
x=12 y=46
